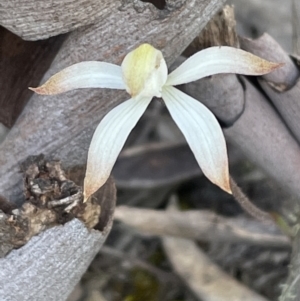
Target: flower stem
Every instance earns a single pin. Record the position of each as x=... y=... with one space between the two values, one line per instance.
x=247 y=205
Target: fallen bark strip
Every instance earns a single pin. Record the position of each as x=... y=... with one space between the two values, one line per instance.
x=262 y=136
x=33 y=20
x=50 y=265
x=63 y=125
x=203 y=277
x=266 y=47
x=201 y=226
x=283 y=85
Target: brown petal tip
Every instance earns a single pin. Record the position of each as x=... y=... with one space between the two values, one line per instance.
x=276 y=66
x=39 y=90
x=267 y=67
x=226 y=187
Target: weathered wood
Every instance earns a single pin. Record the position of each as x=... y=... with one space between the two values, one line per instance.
x=219 y=31
x=62 y=125
x=62 y=253
x=36 y=21
x=266 y=47
x=262 y=136
x=288 y=105
x=52 y=199
x=283 y=85
x=22 y=63
x=33 y=20
x=256 y=17
x=201 y=225
x=50 y=265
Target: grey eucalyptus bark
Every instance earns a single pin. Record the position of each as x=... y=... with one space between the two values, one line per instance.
x=266 y=47
x=50 y=264
x=62 y=125
x=34 y=20
x=283 y=85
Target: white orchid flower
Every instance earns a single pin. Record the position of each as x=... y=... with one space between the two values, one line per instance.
x=144 y=74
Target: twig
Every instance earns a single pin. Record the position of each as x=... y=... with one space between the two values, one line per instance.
x=247 y=205
x=291 y=289
x=201 y=225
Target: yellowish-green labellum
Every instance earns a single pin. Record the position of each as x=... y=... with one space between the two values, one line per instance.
x=144 y=71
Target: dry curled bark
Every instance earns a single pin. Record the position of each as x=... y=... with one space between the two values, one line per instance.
x=283 y=85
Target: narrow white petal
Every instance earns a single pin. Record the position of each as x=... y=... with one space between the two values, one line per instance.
x=90 y=74
x=216 y=60
x=108 y=140
x=203 y=134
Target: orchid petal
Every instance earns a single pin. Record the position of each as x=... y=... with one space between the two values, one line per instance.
x=215 y=60
x=108 y=140
x=89 y=74
x=203 y=134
